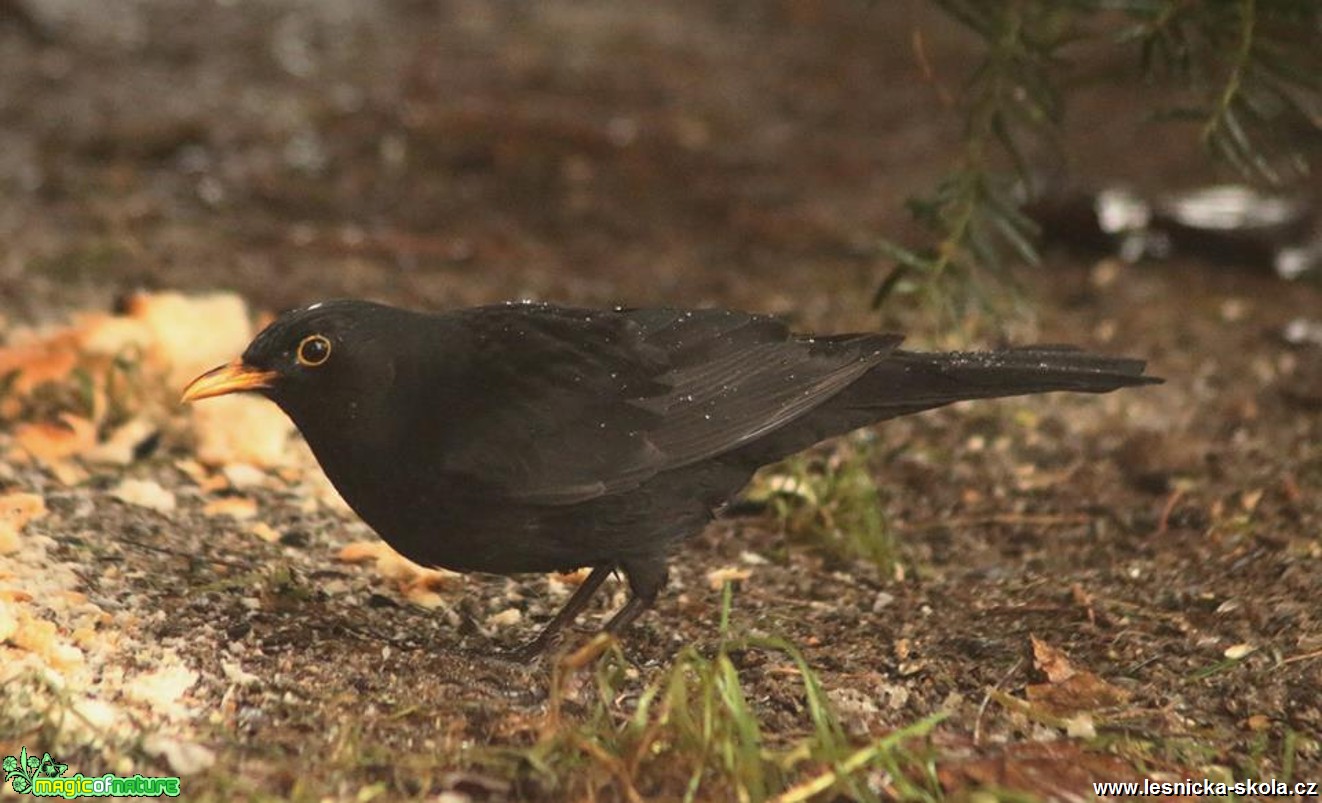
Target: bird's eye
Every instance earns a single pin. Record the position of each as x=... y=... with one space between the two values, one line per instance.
x=313 y=350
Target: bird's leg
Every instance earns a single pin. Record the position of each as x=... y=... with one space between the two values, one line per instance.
x=646 y=579
x=577 y=602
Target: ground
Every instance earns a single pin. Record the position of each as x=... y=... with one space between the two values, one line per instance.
x=1097 y=588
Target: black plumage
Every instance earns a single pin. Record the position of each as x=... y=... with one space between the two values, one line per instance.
x=535 y=438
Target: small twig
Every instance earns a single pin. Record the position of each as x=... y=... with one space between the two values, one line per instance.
x=186 y=556
x=929 y=74
x=1234 y=83
x=613 y=765
x=1021 y=519
x=1308 y=656
x=1163 y=523
x=986 y=698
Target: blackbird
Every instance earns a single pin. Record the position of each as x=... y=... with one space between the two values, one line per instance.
x=530 y=437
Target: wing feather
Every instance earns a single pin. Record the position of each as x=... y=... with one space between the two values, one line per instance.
x=596 y=403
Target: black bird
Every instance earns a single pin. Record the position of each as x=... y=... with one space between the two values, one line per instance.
x=536 y=438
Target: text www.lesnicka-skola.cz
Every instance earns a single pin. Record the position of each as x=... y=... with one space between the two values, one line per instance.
x=1206 y=788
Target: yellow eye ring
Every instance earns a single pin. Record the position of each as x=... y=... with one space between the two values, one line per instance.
x=313 y=350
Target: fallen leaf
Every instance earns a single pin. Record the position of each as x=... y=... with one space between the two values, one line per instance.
x=8 y=621
x=505 y=618
x=235 y=673
x=1080 y=726
x=52 y=441
x=360 y=552
x=1083 y=691
x=191 y=334
x=241 y=429
x=192 y=469
x=35 y=364
x=66 y=472
x=41 y=638
x=235 y=507
x=16 y=510
x=1050 y=771
x=120 y=448
x=575 y=577
x=1250 y=499
x=161 y=687
x=265 y=532
x=184 y=758
x=1050 y=661
x=423 y=598
x=244 y=475
x=1239 y=651
x=410 y=577
x=717 y=578
x=145 y=493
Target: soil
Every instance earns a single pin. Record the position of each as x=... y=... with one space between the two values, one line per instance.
x=747 y=155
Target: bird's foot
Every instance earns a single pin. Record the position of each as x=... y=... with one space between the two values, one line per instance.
x=529 y=652
x=576 y=658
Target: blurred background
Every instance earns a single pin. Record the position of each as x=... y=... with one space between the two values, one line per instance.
x=751 y=154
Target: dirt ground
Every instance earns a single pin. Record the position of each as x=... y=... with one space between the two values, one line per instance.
x=740 y=154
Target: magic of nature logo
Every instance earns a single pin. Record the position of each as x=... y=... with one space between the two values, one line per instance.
x=43 y=777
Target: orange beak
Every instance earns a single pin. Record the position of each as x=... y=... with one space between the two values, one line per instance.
x=232 y=377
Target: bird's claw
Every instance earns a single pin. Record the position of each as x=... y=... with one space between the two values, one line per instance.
x=529 y=652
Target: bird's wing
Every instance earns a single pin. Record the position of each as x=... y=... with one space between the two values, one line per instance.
x=581 y=403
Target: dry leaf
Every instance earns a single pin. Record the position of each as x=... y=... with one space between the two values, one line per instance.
x=102 y=335
x=8 y=621
x=41 y=637
x=1050 y=661
x=120 y=448
x=54 y=357
x=35 y=364
x=52 y=441
x=728 y=574
x=1080 y=726
x=162 y=687
x=1049 y=770
x=191 y=334
x=410 y=577
x=194 y=470
x=505 y=618
x=183 y=758
x=1250 y=499
x=235 y=507
x=241 y=429
x=265 y=532
x=244 y=475
x=67 y=473
x=574 y=578
x=1080 y=692
x=1239 y=651
x=434 y=579
x=423 y=597
x=16 y=510
x=145 y=493
x=360 y=552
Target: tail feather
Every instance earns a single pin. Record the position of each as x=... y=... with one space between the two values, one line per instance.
x=910 y=378
x=909 y=382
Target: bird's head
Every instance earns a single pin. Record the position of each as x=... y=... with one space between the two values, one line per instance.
x=329 y=361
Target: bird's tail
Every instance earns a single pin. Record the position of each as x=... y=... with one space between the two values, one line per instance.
x=910 y=382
